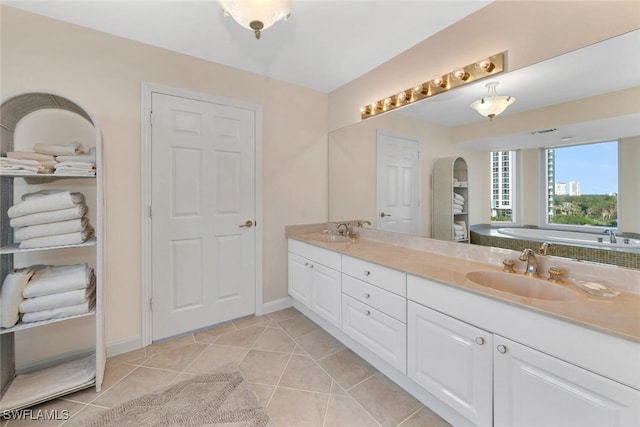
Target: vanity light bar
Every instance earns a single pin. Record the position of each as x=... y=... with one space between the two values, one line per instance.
x=459 y=77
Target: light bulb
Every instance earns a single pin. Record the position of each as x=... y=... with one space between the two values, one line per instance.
x=486 y=65
x=461 y=74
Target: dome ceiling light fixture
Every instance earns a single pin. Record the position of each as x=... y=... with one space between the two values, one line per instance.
x=492 y=105
x=256 y=15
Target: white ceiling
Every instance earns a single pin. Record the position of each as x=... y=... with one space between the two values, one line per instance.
x=323 y=45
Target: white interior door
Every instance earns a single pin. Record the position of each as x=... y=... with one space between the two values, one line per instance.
x=398 y=190
x=203 y=214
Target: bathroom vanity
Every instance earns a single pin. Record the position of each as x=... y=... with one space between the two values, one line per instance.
x=475 y=353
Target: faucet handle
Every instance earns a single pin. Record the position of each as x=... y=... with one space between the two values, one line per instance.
x=555 y=275
x=508 y=265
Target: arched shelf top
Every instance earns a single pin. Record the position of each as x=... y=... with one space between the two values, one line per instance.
x=18 y=105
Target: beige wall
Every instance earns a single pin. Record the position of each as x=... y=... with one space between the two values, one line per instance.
x=103 y=73
x=530 y=31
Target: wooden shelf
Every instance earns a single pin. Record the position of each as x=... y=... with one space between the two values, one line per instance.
x=45 y=384
x=23 y=326
x=15 y=248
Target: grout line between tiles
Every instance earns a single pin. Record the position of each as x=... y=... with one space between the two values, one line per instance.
x=411 y=415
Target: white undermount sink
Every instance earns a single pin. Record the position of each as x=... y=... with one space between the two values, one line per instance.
x=521 y=285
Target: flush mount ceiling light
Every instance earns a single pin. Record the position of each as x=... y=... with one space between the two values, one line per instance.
x=492 y=105
x=256 y=15
x=490 y=66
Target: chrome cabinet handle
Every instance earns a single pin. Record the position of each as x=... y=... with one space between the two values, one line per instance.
x=479 y=340
x=367 y=273
x=382 y=214
x=367 y=295
x=367 y=312
x=502 y=349
x=247 y=224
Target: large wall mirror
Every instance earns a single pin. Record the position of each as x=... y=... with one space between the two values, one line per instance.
x=588 y=95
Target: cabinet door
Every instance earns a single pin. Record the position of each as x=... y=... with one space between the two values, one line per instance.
x=300 y=279
x=382 y=334
x=534 y=389
x=326 y=292
x=452 y=360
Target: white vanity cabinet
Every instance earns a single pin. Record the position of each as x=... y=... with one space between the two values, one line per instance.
x=457 y=351
x=374 y=309
x=315 y=280
x=452 y=360
x=534 y=389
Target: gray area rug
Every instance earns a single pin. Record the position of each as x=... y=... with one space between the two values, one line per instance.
x=222 y=398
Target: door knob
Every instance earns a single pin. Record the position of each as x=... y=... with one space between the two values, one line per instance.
x=382 y=214
x=247 y=224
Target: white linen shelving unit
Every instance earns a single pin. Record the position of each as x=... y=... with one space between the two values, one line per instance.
x=450 y=175
x=81 y=369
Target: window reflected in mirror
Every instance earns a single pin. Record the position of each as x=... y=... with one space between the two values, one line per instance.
x=582 y=185
x=503 y=187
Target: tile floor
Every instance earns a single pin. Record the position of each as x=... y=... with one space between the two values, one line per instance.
x=301 y=374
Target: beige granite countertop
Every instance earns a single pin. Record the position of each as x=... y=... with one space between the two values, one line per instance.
x=619 y=315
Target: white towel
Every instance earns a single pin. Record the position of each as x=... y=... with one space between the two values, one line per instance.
x=58 y=240
x=75 y=165
x=11 y=296
x=457 y=209
x=50 y=202
x=76 y=172
x=458 y=227
x=88 y=157
x=10 y=165
x=57 y=313
x=77 y=211
x=59 y=149
x=58 y=300
x=27 y=155
x=456 y=196
x=51 y=229
x=26 y=162
x=36 y=194
x=51 y=279
x=458 y=202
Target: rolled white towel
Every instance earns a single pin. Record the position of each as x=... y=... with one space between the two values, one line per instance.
x=50 y=202
x=457 y=196
x=51 y=229
x=77 y=211
x=11 y=296
x=57 y=313
x=457 y=209
x=51 y=279
x=458 y=227
x=90 y=157
x=27 y=155
x=70 y=149
x=75 y=238
x=458 y=202
x=57 y=300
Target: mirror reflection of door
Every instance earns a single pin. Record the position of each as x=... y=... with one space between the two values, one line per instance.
x=398 y=183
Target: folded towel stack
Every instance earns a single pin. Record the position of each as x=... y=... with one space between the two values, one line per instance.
x=459 y=230
x=44 y=292
x=50 y=218
x=67 y=159
x=80 y=164
x=458 y=203
x=58 y=291
x=25 y=166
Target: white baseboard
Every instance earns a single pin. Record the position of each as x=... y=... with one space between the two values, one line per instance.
x=279 y=304
x=124 y=346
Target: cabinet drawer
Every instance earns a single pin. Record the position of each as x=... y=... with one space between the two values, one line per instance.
x=381 y=334
x=387 y=278
x=388 y=303
x=322 y=256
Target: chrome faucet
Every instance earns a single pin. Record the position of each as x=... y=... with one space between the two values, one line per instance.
x=612 y=235
x=346 y=231
x=532 y=264
x=362 y=223
x=544 y=248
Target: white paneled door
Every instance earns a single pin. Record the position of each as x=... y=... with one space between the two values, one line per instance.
x=398 y=184
x=203 y=214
